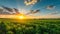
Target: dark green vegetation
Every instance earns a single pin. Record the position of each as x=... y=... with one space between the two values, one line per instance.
x=31 y=26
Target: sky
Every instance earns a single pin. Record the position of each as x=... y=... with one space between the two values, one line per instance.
x=47 y=7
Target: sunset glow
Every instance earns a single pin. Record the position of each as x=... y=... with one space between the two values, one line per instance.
x=21 y=17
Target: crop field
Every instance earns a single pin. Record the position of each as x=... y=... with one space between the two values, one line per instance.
x=30 y=26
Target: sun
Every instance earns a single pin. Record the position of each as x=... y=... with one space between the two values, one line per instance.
x=21 y=17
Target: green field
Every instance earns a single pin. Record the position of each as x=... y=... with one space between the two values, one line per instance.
x=30 y=26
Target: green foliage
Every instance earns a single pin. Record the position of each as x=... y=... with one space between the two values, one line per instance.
x=30 y=27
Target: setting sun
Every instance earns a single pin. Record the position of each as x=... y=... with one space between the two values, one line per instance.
x=21 y=17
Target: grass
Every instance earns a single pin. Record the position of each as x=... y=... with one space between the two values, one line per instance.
x=30 y=26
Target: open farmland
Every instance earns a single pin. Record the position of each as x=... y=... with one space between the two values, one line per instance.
x=30 y=26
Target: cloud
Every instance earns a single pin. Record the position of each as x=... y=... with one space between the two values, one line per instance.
x=50 y=7
x=16 y=11
x=54 y=13
x=6 y=10
x=31 y=2
x=36 y=11
x=33 y=12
